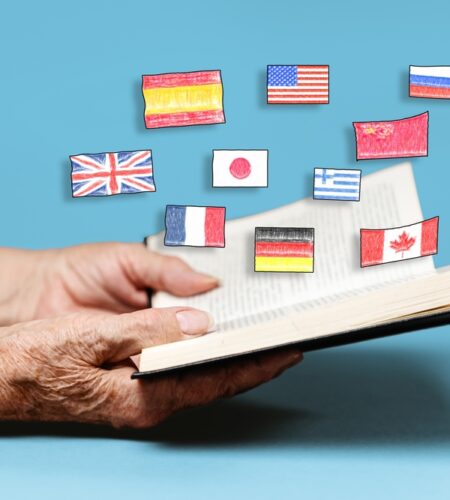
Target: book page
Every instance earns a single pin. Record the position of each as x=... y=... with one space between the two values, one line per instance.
x=388 y=198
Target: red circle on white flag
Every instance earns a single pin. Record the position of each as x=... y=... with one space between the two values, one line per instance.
x=240 y=168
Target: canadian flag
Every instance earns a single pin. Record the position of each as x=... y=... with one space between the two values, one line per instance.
x=379 y=246
x=240 y=167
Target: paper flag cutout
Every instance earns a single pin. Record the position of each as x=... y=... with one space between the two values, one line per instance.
x=380 y=246
x=392 y=139
x=240 y=167
x=195 y=226
x=284 y=249
x=429 y=81
x=181 y=99
x=292 y=84
x=105 y=174
x=337 y=184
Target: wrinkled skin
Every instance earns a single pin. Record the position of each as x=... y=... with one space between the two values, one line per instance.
x=73 y=363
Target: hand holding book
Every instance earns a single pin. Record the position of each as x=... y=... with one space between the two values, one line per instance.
x=76 y=367
x=83 y=373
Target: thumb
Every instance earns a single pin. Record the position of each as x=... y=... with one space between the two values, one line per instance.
x=149 y=269
x=126 y=335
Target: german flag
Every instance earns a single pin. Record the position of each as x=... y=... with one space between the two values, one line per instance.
x=284 y=249
x=181 y=99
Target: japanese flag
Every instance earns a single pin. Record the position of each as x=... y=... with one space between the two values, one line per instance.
x=240 y=167
x=379 y=246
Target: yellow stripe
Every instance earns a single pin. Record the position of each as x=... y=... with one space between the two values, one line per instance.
x=284 y=264
x=183 y=99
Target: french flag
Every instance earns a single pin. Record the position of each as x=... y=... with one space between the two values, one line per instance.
x=429 y=81
x=379 y=246
x=195 y=226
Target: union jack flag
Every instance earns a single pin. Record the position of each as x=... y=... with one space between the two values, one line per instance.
x=105 y=174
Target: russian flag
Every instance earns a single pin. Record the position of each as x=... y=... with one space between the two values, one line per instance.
x=195 y=226
x=379 y=246
x=429 y=81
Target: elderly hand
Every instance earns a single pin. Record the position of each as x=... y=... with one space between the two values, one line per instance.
x=75 y=367
x=108 y=277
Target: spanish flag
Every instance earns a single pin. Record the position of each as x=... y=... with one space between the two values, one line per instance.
x=284 y=249
x=181 y=99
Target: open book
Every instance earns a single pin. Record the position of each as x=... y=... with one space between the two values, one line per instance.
x=340 y=302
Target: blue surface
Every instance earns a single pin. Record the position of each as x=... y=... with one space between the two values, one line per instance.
x=369 y=421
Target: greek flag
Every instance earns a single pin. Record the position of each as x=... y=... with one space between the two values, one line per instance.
x=340 y=185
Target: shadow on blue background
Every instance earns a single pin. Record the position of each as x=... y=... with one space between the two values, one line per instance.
x=367 y=397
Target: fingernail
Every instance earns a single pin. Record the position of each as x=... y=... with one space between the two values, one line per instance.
x=194 y=321
x=203 y=280
x=212 y=280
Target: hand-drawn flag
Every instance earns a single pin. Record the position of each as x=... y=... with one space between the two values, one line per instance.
x=337 y=184
x=379 y=246
x=392 y=139
x=180 y=99
x=240 y=168
x=284 y=249
x=105 y=174
x=195 y=226
x=292 y=84
x=429 y=81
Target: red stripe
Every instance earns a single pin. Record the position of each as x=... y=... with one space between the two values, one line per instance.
x=215 y=227
x=79 y=176
x=372 y=245
x=429 y=241
x=293 y=101
x=180 y=119
x=419 y=91
x=322 y=78
x=295 y=90
x=181 y=79
x=113 y=186
x=298 y=94
x=283 y=249
x=310 y=66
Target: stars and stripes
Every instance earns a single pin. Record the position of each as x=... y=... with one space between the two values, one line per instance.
x=292 y=84
x=105 y=174
x=337 y=184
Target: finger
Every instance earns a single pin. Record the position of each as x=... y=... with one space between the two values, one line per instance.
x=120 y=336
x=146 y=402
x=149 y=269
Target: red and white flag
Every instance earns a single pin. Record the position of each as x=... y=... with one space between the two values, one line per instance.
x=379 y=246
x=402 y=138
x=240 y=167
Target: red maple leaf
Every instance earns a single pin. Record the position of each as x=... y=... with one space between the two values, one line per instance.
x=403 y=243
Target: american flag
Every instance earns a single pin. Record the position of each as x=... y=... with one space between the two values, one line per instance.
x=292 y=84
x=105 y=174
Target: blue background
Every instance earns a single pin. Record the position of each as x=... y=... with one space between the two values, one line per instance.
x=365 y=421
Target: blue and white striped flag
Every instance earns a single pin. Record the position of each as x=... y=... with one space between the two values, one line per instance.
x=340 y=185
